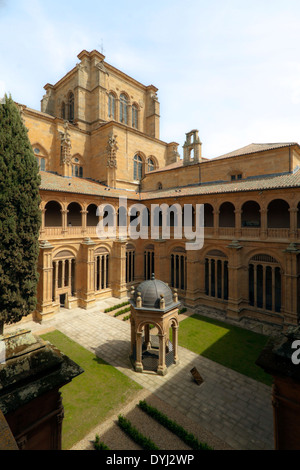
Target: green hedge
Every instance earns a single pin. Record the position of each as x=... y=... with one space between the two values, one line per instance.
x=120 y=312
x=100 y=445
x=127 y=317
x=135 y=435
x=172 y=426
x=115 y=307
x=183 y=310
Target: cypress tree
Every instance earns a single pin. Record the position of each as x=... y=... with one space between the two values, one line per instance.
x=20 y=217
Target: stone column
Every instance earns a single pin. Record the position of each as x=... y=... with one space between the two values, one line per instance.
x=264 y=223
x=238 y=223
x=138 y=362
x=235 y=280
x=86 y=273
x=289 y=282
x=293 y=223
x=45 y=305
x=118 y=267
x=175 y=343
x=83 y=221
x=162 y=368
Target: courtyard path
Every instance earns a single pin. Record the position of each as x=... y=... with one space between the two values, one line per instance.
x=234 y=408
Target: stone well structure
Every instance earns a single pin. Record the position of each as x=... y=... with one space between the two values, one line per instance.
x=154 y=308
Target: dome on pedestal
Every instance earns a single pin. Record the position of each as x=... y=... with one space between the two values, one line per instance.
x=151 y=292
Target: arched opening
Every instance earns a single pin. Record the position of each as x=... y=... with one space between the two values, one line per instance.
x=63 y=279
x=216 y=275
x=134 y=116
x=101 y=260
x=92 y=219
x=137 y=167
x=149 y=262
x=53 y=215
x=130 y=263
x=278 y=214
x=111 y=106
x=63 y=110
x=265 y=283
x=71 y=103
x=74 y=215
x=123 y=109
x=208 y=215
x=251 y=214
x=227 y=215
x=151 y=164
x=178 y=269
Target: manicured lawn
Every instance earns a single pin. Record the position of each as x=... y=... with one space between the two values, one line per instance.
x=91 y=396
x=228 y=345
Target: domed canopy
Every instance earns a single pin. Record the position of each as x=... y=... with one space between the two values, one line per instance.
x=151 y=292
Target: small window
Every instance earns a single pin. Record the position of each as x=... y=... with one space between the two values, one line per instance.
x=232 y=177
x=239 y=177
x=159 y=186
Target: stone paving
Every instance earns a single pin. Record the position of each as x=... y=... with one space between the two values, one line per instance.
x=233 y=407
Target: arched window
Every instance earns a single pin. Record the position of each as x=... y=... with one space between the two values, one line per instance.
x=148 y=262
x=134 y=116
x=130 y=263
x=137 y=168
x=159 y=186
x=111 y=105
x=123 y=109
x=71 y=107
x=101 y=269
x=77 y=169
x=178 y=269
x=216 y=275
x=208 y=215
x=278 y=214
x=151 y=164
x=63 y=278
x=53 y=216
x=227 y=215
x=265 y=283
x=74 y=215
x=40 y=158
x=63 y=110
x=251 y=214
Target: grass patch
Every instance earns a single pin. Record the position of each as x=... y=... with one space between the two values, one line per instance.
x=226 y=344
x=91 y=396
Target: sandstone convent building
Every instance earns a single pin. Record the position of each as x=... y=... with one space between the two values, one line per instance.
x=97 y=139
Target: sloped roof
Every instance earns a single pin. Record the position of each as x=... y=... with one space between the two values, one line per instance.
x=54 y=182
x=289 y=180
x=253 y=148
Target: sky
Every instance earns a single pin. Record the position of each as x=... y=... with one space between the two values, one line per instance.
x=229 y=68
